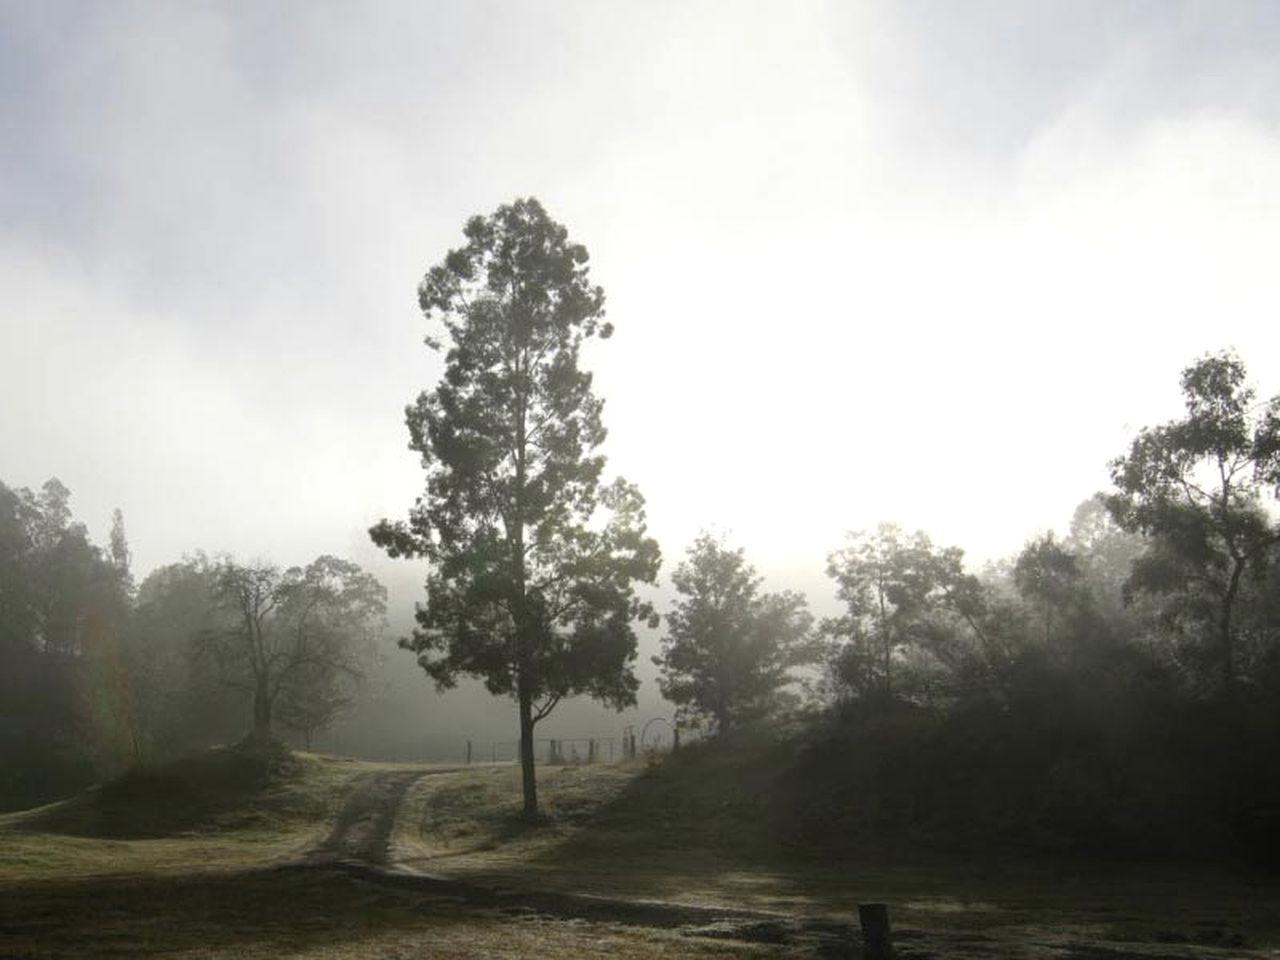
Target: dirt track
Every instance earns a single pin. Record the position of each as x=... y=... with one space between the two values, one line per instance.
x=360 y=844
x=362 y=832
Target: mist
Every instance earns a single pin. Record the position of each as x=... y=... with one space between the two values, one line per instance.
x=656 y=454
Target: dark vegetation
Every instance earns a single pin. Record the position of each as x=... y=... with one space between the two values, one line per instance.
x=1117 y=693
x=248 y=785
x=98 y=676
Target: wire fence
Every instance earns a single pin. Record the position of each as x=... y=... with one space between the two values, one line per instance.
x=657 y=735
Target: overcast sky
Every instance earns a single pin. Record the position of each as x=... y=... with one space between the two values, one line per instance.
x=932 y=263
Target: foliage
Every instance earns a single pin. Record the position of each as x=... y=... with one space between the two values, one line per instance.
x=1195 y=488
x=65 y=712
x=1049 y=578
x=902 y=596
x=729 y=650
x=533 y=561
x=1104 y=552
x=181 y=699
x=286 y=629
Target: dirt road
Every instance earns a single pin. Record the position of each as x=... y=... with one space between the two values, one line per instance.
x=362 y=833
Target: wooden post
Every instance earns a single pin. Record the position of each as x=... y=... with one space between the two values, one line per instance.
x=468 y=753
x=675 y=739
x=874 y=918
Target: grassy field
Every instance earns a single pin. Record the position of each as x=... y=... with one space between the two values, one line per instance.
x=202 y=859
x=217 y=811
x=689 y=830
x=207 y=858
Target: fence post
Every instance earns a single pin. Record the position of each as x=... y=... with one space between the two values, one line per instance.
x=874 y=918
x=468 y=753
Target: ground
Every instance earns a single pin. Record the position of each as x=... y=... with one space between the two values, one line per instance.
x=316 y=857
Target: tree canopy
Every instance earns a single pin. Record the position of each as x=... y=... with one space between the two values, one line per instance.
x=729 y=649
x=295 y=636
x=1195 y=488
x=533 y=558
x=899 y=593
x=65 y=705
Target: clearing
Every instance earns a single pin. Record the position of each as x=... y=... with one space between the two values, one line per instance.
x=254 y=855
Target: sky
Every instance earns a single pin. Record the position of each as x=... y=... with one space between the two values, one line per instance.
x=921 y=262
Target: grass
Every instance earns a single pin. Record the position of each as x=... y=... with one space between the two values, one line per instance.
x=300 y=913
x=694 y=830
x=201 y=859
x=222 y=809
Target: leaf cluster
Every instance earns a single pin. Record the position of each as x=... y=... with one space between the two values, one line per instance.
x=729 y=650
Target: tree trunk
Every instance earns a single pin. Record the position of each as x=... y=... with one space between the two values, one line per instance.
x=888 y=666
x=1227 y=649
x=528 y=780
x=261 y=711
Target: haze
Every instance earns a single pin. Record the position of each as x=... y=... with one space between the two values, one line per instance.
x=905 y=263
x=896 y=291
x=866 y=263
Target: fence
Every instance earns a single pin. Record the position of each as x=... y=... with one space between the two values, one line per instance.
x=658 y=735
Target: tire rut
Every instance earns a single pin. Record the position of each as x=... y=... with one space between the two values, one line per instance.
x=360 y=844
x=362 y=833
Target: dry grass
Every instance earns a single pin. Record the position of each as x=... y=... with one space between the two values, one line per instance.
x=83 y=878
x=256 y=915
x=184 y=818
x=114 y=873
x=688 y=835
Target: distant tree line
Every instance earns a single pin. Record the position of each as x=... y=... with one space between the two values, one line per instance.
x=97 y=674
x=1117 y=690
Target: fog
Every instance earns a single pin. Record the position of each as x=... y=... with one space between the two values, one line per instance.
x=866 y=263
x=850 y=251
x=592 y=479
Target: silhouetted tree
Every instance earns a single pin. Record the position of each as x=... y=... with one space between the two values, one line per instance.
x=1104 y=552
x=121 y=556
x=62 y=610
x=289 y=627
x=314 y=699
x=1048 y=577
x=901 y=592
x=533 y=562
x=729 y=650
x=180 y=694
x=1194 y=487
